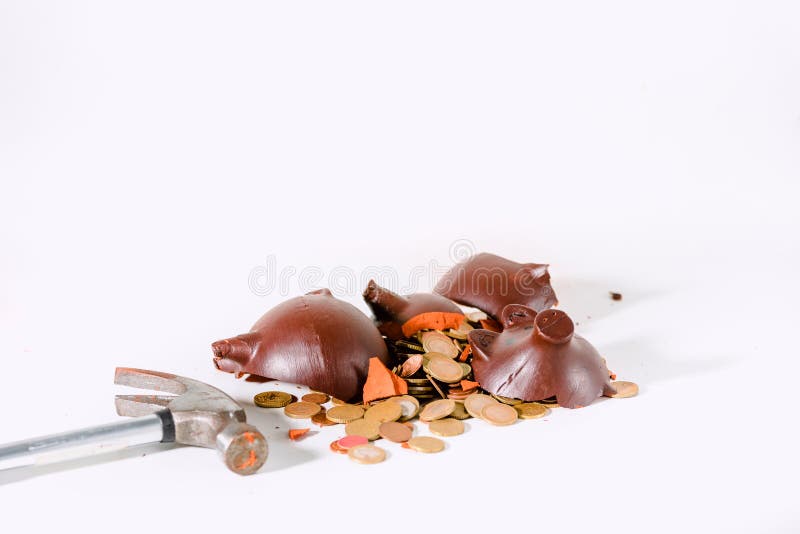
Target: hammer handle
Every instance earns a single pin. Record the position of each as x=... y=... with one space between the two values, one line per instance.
x=89 y=441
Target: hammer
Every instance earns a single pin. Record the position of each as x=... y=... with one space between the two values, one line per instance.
x=195 y=414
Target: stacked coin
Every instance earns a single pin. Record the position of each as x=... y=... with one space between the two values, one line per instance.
x=421 y=389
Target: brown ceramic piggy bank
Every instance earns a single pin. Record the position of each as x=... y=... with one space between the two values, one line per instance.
x=538 y=356
x=392 y=310
x=315 y=339
x=490 y=283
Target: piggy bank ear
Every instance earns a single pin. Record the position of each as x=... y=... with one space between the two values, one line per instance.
x=517 y=315
x=324 y=291
x=481 y=342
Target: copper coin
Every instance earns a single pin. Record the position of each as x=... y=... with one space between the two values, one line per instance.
x=499 y=414
x=624 y=389
x=336 y=448
x=348 y=442
x=437 y=409
x=301 y=410
x=321 y=419
x=411 y=365
x=315 y=397
x=396 y=432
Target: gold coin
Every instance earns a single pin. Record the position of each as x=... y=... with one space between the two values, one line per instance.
x=384 y=412
x=444 y=369
x=344 y=413
x=417 y=381
x=465 y=368
x=367 y=454
x=437 y=409
x=446 y=427
x=435 y=341
x=624 y=389
x=272 y=399
x=337 y=402
x=364 y=428
x=409 y=406
x=507 y=400
x=302 y=410
x=530 y=410
x=460 y=412
x=315 y=397
x=426 y=444
x=475 y=403
x=499 y=414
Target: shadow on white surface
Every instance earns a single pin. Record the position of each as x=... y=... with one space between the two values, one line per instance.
x=637 y=360
x=21 y=473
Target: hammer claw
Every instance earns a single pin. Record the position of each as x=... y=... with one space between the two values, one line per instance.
x=138 y=405
x=145 y=379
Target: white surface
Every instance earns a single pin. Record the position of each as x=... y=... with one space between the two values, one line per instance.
x=153 y=154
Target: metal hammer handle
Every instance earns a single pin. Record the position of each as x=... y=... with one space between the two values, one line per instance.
x=157 y=427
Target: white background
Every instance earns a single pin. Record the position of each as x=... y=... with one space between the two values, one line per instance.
x=153 y=154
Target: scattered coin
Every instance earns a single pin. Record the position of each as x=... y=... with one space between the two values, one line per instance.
x=426 y=444
x=417 y=381
x=344 y=413
x=384 y=412
x=396 y=432
x=301 y=410
x=530 y=410
x=409 y=406
x=507 y=400
x=460 y=412
x=437 y=409
x=411 y=365
x=499 y=414
x=444 y=369
x=348 y=442
x=272 y=399
x=367 y=454
x=337 y=402
x=476 y=402
x=446 y=427
x=321 y=419
x=624 y=389
x=362 y=427
x=315 y=397
x=336 y=448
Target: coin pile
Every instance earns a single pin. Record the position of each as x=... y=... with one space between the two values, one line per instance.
x=436 y=366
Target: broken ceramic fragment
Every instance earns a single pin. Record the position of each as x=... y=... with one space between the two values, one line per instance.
x=489 y=282
x=537 y=356
x=316 y=340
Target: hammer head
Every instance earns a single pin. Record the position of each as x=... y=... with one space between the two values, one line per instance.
x=203 y=415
